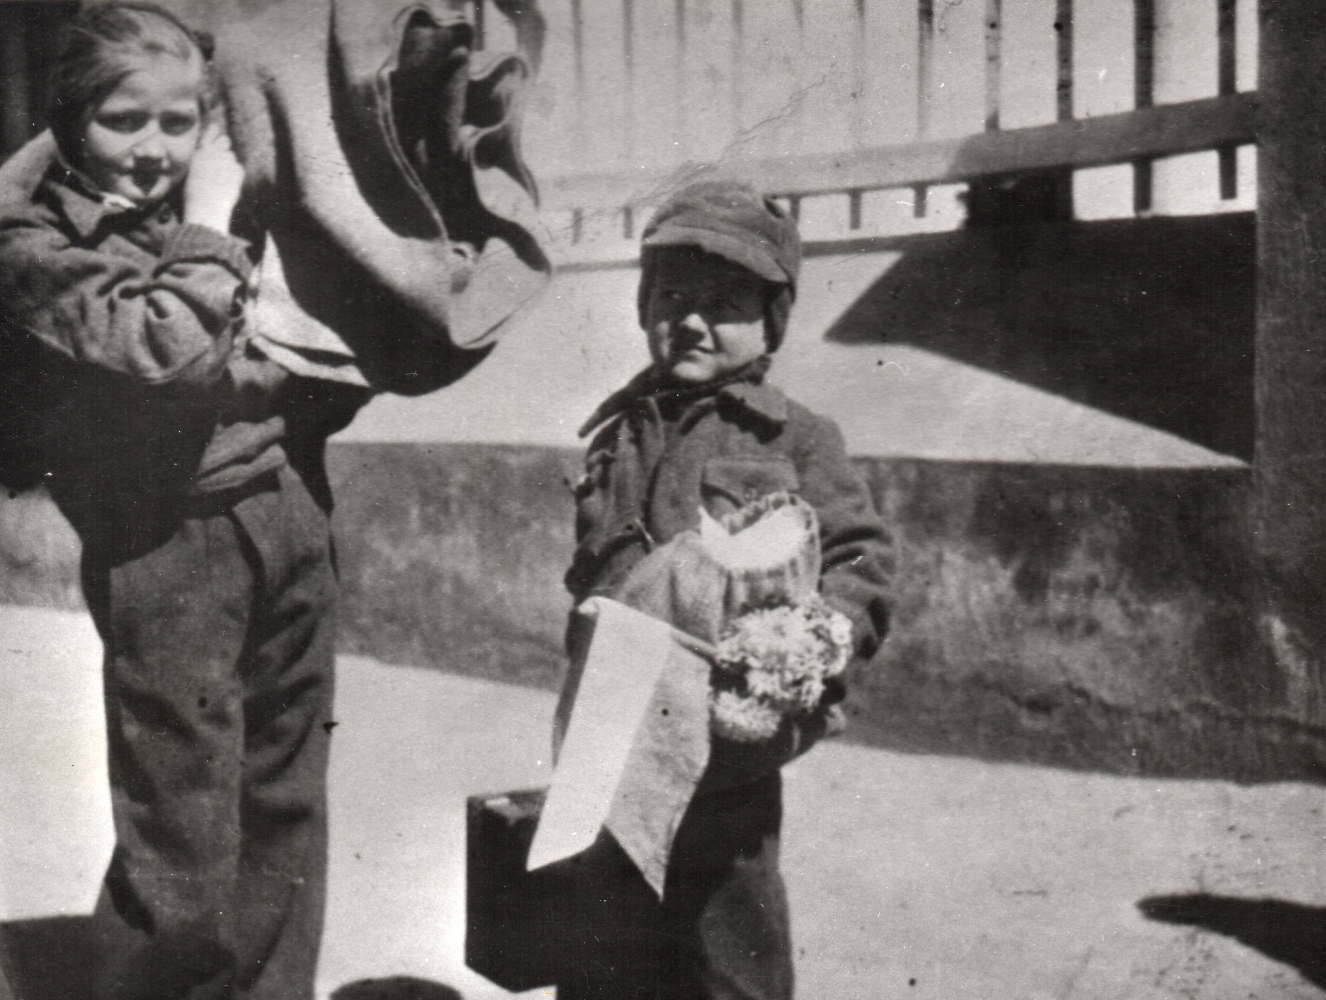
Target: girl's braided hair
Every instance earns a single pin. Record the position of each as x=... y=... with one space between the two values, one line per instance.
x=102 y=45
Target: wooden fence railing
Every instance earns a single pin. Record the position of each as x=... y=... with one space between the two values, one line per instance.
x=838 y=99
x=847 y=97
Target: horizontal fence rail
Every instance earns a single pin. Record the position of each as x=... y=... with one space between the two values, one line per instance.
x=1088 y=142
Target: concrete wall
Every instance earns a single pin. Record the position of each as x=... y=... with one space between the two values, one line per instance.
x=1074 y=616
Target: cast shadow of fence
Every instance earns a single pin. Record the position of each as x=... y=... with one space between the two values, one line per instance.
x=1147 y=319
x=1286 y=932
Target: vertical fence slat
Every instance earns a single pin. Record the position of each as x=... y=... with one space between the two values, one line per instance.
x=1063 y=29
x=679 y=73
x=1226 y=46
x=1247 y=40
x=957 y=95
x=1144 y=53
x=1186 y=67
x=993 y=63
x=1227 y=83
x=925 y=60
x=858 y=73
x=1029 y=65
x=773 y=86
x=706 y=89
x=552 y=135
x=925 y=70
x=1104 y=57
x=830 y=116
x=890 y=93
x=578 y=42
x=632 y=151
x=600 y=40
x=582 y=96
x=738 y=96
x=656 y=93
x=1063 y=110
x=1144 y=60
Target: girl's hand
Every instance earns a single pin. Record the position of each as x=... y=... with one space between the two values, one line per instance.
x=257 y=385
x=215 y=178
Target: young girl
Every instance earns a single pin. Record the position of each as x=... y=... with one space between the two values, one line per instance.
x=191 y=469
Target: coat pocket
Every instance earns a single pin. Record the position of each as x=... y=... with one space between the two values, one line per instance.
x=728 y=483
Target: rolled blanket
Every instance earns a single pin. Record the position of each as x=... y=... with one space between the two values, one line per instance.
x=384 y=173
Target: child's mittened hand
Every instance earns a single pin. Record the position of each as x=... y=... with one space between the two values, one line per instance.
x=215 y=178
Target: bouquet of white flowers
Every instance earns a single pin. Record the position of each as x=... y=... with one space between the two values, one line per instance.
x=780 y=642
x=773 y=662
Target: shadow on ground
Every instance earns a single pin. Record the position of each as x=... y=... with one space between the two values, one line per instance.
x=51 y=959
x=48 y=959
x=1287 y=932
x=395 y=988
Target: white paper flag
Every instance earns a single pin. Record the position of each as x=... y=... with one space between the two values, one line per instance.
x=626 y=659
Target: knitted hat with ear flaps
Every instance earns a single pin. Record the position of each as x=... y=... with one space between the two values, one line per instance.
x=734 y=221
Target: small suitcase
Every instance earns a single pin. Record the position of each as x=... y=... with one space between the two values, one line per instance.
x=530 y=929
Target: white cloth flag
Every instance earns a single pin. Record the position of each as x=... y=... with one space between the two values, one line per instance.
x=636 y=745
x=625 y=661
x=56 y=834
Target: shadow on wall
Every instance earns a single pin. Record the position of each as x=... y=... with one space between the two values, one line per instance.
x=1287 y=932
x=1147 y=319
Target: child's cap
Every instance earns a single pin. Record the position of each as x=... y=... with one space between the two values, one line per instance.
x=733 y=220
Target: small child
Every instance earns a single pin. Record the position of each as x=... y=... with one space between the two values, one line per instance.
x=192 y=471
x=701 y=427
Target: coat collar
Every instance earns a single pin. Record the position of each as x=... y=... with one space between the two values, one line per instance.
x=83 y=212
x=37 y=167
x=746 y=387
x=81 y=204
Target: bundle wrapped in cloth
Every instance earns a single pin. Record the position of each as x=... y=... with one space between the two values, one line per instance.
x=711 y=665
x=384 y=169
x=780 y=645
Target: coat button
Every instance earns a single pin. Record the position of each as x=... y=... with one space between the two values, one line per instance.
x=164 y=215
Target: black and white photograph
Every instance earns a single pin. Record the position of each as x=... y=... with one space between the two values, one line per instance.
x=662 y=499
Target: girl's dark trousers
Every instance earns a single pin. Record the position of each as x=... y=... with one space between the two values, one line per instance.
x=218 y=684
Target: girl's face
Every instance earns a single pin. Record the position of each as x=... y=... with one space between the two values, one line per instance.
x=138 y=144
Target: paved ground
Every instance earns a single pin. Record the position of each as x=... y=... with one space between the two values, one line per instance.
x=910 y=876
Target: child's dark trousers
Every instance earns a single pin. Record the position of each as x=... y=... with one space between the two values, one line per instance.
x=218 y=678
x=721 y=931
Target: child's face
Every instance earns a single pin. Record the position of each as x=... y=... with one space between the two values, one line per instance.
x=139 y=142
x=704 y=315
